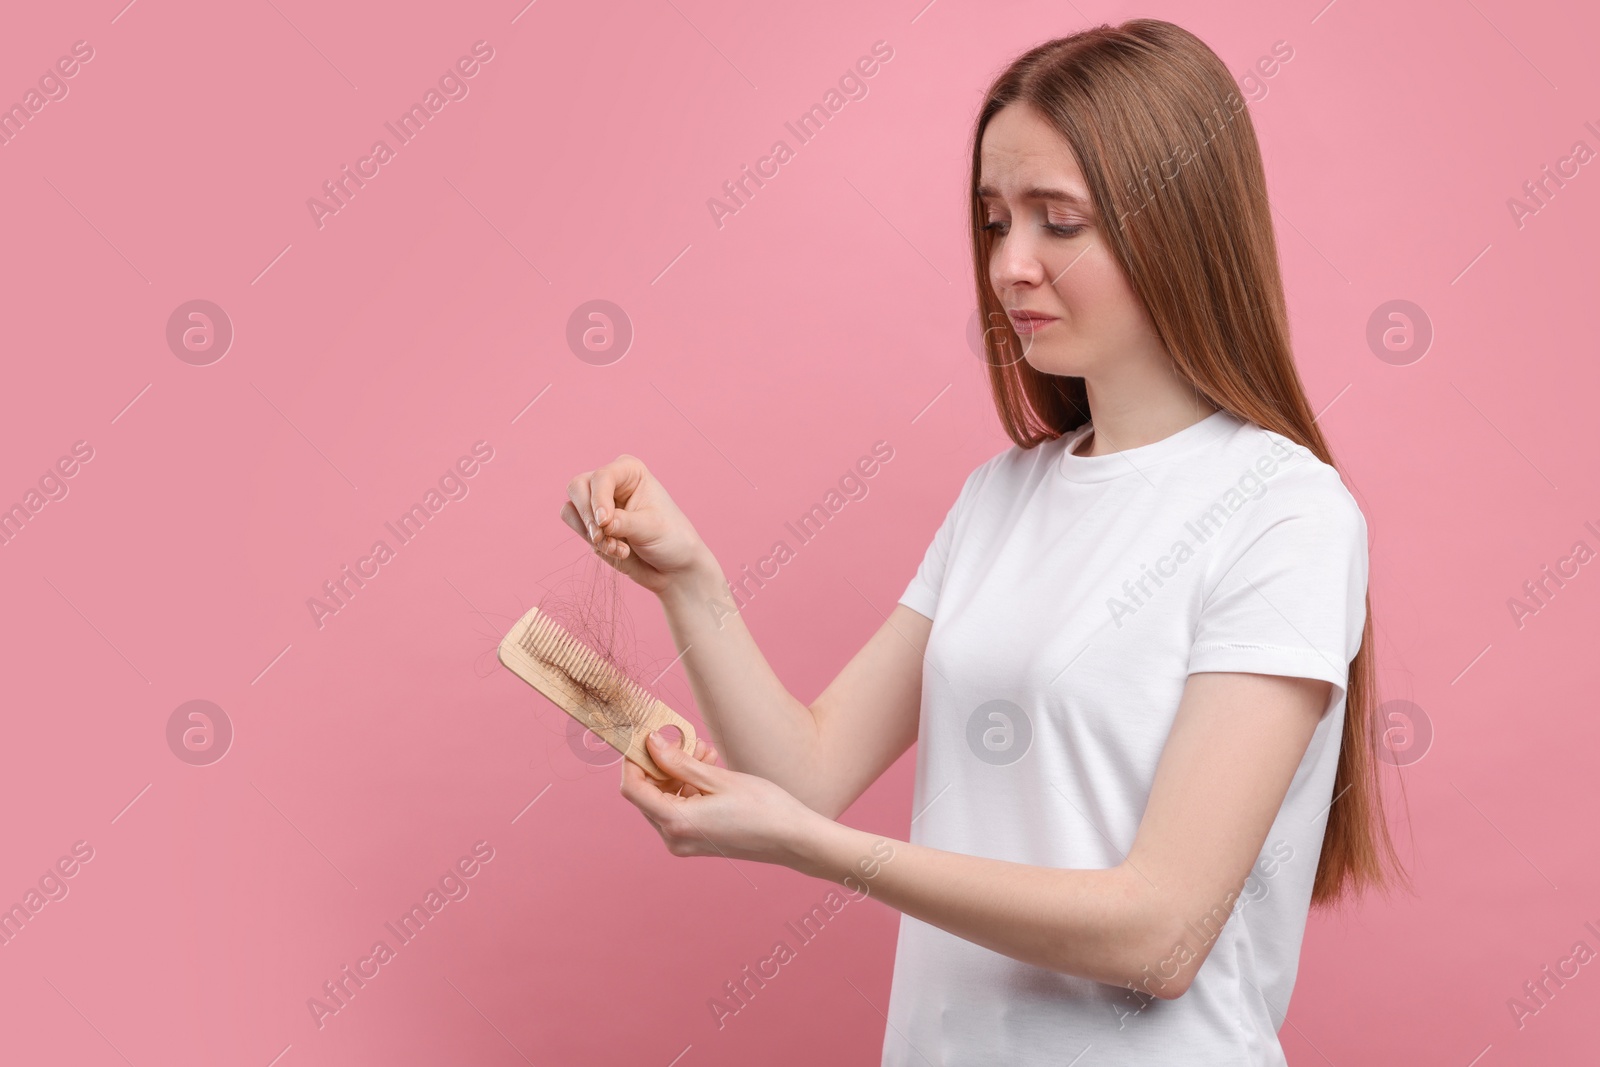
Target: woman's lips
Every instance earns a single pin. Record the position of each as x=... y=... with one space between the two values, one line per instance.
x=1031 y=324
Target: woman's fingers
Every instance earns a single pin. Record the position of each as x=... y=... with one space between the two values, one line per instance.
x=677 y=786
x=600 y=488
x=627 y=526
x=634 y=778
x=700 y=750
x=677 y=764
x=613 y=485
x=607 y=542
x=646 y=793
x=570 y=516
x=575 y=512
x=620 y=523
x=613 y=533
x=595 y=504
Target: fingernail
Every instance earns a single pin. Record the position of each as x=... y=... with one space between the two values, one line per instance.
x=590 y=525
x=599 y=514
x=655 y=735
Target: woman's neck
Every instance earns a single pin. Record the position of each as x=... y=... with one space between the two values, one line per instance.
x=1118 y=427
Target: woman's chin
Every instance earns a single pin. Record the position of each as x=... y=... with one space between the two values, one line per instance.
x=1051 y=359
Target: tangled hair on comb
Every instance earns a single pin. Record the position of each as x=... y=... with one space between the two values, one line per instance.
x=588 y=604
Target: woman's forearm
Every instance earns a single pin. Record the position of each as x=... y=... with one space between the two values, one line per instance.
x=760 y=727
x=1106 y=925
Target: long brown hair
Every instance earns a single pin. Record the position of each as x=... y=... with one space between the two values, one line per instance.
x=1168 y=151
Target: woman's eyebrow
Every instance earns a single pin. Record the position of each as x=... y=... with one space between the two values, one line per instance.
x=1038 y=192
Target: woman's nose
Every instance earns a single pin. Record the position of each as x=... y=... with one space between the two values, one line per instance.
x=1016 y=263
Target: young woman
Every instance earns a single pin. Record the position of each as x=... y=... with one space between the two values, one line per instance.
x=1136 y=658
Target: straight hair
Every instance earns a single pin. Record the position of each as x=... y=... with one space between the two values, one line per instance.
x=1168 y=151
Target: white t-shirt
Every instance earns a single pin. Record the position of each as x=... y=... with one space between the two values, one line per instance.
x=1071 y=597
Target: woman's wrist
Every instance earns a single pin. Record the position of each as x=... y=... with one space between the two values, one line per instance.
x=820 y=847
x=702 y=581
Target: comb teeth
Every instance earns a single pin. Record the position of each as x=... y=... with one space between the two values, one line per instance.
x=547 y=640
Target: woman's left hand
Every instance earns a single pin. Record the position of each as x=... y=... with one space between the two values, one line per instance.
x=720 y=812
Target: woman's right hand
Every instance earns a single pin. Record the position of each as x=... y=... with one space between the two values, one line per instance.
x=628 y=518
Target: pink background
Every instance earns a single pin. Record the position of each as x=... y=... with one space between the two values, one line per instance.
x=768 y=355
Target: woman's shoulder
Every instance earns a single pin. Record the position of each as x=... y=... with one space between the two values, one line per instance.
x=1019 y=461
x=1002 y=466
x=1295 y=478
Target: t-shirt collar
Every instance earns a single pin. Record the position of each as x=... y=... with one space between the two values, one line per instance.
x=1130 y=461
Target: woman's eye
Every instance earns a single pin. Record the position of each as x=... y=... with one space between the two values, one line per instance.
x=999 y=226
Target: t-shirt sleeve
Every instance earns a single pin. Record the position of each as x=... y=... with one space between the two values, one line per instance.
x=922 y=594
x=1290 y=598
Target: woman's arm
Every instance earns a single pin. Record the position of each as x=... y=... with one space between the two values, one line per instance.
x=825 y=754
x=760 y=726
x=1235 y=744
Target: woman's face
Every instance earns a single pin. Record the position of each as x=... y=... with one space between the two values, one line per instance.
x=1049 y=255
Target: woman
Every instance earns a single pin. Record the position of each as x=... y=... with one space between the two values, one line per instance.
x=1136 y=658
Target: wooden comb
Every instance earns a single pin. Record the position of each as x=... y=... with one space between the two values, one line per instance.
x=582 y=683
